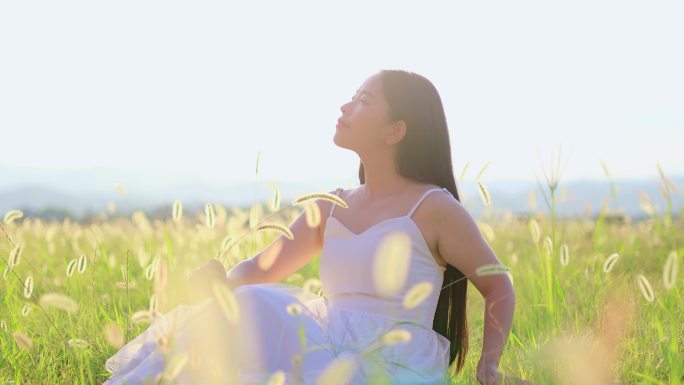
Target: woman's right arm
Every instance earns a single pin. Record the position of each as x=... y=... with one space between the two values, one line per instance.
x=283 y=256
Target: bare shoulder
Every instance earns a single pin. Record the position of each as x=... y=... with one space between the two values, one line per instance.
x=436 y=203
x=324 y=207
x=461 y=244
x=446 y=208
x=443 y=211
x=452 y=219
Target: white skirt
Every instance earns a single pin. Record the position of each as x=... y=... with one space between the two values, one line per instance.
x=197 y=344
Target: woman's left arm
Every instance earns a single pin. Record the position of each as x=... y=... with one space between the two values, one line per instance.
x=461 y=244
x=499 y=307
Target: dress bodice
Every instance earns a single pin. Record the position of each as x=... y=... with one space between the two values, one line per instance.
x=346 y=268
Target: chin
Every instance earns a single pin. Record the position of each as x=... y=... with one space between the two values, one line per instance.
x=336 y=142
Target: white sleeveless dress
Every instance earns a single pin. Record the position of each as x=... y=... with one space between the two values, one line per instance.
x=346 y=323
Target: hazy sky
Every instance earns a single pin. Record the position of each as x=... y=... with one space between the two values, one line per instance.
x=201 y=87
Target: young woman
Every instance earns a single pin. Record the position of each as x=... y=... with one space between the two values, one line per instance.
x=356 y=332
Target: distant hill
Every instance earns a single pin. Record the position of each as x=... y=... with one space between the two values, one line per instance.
x=56 y=193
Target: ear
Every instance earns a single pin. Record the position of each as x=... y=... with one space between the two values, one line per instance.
x=397 y=132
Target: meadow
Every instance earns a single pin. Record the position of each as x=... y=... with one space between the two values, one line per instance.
x=599 y=298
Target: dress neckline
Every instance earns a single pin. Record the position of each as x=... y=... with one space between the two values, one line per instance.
x=368 y=229
x=414 y=224
x=409 y=214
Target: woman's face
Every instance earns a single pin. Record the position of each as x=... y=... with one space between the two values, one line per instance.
x=364 y=118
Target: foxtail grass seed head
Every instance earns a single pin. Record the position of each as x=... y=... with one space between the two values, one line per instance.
x=325 y=196
x=666 y=181
x=26 y=309
x=12 y=216
x=484 y=194
x=177 y=211
x=141 y=316
x=82 y=264
x=15 y=254
x=339 y=372
x=124 y=272
x=22 y=340
x=510 y=276
x=78 y=343
x=279 y=228
x=670 y=270
x=391 y=263
x=548 y=247
x=486 y=230
x=28 y=286
x=417 y=294
x=210 y=215
x=312 y=285
x=5 y=273
x=275 y=202
x=564 y=254
x=277 y=378
x=294 y=308
x=226 y=243
x=226 y=301
x=646 y=204
x=120 y=188
x=491 y=269
x=463 y=171
x=610 y=262
x=58 y=301
x=646 y=288
x=3 y=325
x=482 y=170
x=312 y=214
x=535 y=230
x=71 y=267
x=396 y=336
x=150 y=270
x=257 y=162
x=113 y=335
x=153 y=304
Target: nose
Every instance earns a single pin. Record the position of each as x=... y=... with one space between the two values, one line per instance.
x=343 y=108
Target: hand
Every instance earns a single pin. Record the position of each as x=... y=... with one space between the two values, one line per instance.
x=490 y=375
x=199 y=281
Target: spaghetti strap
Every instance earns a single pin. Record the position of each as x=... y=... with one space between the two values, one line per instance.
x=332 y=205
x=422 y=198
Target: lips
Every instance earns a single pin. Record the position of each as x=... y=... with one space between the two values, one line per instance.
x=342 y=124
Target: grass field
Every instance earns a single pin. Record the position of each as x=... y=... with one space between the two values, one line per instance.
x=599 y=300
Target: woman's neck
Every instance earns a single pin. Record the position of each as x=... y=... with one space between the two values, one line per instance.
x=381 y=180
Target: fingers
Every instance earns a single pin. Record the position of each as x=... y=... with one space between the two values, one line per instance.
x=490 y=376
x=498 y=378
x=513 y=380
x=493 y=379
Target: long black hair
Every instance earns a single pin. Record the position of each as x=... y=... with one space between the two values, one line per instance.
x=424 y=155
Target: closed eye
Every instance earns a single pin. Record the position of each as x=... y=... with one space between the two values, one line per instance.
x=362 y=100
